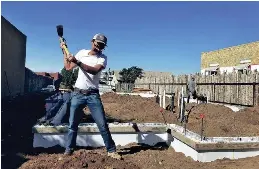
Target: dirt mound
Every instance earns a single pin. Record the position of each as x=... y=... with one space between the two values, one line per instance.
x=134 y=156
x=127 y=108
x=80 y=159
x=169 y=159
x=248 y=115
x=221 y=121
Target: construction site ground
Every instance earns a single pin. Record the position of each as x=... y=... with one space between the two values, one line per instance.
x=17 y=150
x=219 y=121
x=134 y=157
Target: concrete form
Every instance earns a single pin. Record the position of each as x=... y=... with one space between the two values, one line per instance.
x=189 y=143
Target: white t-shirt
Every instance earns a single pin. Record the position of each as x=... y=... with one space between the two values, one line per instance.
x=86 y=80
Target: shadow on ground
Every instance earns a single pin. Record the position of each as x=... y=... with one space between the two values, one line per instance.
x=88 y=119
x=143 y=147
x=18 y=116
x=12 y=160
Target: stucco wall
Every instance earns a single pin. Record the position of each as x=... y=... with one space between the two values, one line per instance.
x=13 y=59
x=231 y=56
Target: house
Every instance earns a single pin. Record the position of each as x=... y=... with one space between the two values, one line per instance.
x=54 y=76
x=236 y=58
x=57 y=77
x=108 y=78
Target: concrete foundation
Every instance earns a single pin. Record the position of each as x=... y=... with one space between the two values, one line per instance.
x=189 y=144
x=95 y=140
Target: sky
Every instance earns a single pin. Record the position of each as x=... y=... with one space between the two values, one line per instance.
x=155 y=36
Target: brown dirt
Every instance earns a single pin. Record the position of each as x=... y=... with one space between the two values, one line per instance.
x=127 y=108
x=219 y=120
x=80 y=159
x=134 y=156
x=134 y=108
x=130 y=107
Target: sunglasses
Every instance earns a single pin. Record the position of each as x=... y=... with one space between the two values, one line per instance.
x=99 y=45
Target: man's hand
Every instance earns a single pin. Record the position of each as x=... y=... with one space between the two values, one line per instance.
x=63 y=45
x=71 y=58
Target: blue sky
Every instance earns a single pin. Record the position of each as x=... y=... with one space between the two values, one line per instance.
x=156 y=36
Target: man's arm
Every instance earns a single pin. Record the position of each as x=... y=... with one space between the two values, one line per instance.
x=92 y=70
x=101 y=64
x=68 y=65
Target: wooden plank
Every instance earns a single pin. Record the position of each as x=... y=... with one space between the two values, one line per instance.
x=226 y=146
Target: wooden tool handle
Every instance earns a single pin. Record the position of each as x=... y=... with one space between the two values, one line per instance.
x=65 y=47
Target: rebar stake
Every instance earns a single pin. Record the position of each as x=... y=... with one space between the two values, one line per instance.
x=202 y=117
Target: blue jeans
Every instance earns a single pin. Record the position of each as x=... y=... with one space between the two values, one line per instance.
x=94 y=103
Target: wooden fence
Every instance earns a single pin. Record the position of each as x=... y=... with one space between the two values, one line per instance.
x=234 y=88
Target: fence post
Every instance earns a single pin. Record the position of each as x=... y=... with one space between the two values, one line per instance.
x=160 y=100
x=164 y=99
x=254 y=94
x=214 y=99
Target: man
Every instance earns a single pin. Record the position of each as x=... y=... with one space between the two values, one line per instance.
x=86 y=93
x=191 y=89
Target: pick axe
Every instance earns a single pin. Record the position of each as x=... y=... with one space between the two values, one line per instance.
x=61 y=38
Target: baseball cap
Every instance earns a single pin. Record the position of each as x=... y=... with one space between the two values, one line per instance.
x=100 y=38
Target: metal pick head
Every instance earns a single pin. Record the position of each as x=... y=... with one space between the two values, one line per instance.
x=60 y=30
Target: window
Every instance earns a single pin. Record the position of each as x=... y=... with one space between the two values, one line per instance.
x=213 y=72
x=242 y=71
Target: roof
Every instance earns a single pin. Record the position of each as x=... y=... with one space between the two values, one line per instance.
x=241 y=66
x=214 y=68
x=56 y=75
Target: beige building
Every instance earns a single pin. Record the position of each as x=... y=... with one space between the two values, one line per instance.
x=13 y=59
x=235 y=58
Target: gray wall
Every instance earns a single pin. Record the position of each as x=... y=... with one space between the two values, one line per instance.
x=13 y=59
x=34 y=82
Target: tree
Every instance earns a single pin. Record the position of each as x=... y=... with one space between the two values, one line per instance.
x=75 y=74
x=131 y=74
x=69 y=77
